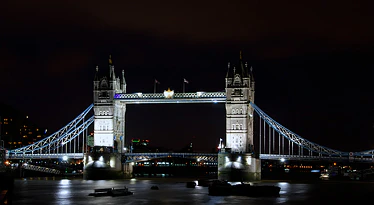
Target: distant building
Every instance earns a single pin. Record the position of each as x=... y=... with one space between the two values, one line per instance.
x=30 y=133
x=139 y=142
x=139 y=146
x=16 y=132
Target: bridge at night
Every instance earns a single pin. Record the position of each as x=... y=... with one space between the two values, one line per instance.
x=273 y=141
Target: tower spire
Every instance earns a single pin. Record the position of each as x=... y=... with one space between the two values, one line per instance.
x=123 y=81
x=244 y=72
x=110 y=60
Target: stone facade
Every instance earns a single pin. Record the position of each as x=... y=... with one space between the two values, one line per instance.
x=109 y=125
x=237 y=161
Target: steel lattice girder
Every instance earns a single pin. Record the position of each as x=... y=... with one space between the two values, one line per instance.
x=133 y=157
x=296 y=138
x=70 y=127
x=157 y=98
x=71 y=135
x=41 y=169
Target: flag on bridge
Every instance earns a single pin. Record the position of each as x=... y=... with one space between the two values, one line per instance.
x=155 y=85
x=184 y=80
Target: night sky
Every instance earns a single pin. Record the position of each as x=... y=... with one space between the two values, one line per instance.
x=312 y=62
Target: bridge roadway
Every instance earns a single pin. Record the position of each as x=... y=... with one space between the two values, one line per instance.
x=206 y=157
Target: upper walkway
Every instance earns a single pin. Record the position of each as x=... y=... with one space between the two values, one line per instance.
x=171 y=97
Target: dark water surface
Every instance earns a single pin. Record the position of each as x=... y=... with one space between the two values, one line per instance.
x=174 y=191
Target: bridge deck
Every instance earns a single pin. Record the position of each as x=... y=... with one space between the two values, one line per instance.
x=211 y=157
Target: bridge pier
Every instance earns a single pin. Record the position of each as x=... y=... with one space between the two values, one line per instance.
x=128 y=169
x=236 y=161
x=102 y=166
x=238 y=167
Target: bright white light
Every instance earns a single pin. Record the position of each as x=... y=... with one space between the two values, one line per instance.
x=282 y=160
x=140 y=94
x=64 y=158
x=249 y=160
x=112 y=162
x=199 y=94
x=239 y=159
x=101 y=158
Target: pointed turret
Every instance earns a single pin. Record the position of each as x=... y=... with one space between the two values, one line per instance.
x=251 y=74
x=123 y=82
x=243 y=70
x=97 y=74
x=230 y=71
x=113 y=74
x=110 y=66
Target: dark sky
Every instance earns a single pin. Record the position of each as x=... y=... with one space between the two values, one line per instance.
x=313 y=63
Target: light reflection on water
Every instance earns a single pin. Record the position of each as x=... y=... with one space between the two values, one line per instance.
x=174 y=191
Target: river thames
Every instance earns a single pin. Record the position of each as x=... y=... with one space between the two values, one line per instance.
x=174 y=191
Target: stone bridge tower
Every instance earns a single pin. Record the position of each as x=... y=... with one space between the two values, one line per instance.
x=237 y=161
x=109 y=126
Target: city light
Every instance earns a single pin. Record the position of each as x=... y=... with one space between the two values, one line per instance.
x=282 y=160
x=65 y=158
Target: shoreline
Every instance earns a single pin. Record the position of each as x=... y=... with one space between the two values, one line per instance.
x=189 y=179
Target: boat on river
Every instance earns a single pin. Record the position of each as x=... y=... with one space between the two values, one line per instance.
x=111 y=192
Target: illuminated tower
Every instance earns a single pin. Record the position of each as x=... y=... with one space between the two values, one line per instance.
x=239 y=113
x=237 y=161
x=104 y=161
x=109 y=127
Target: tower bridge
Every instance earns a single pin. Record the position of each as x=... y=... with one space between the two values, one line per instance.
x=242 y=147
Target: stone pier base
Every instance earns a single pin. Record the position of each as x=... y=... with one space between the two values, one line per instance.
x=236 y=167
x=103 y=166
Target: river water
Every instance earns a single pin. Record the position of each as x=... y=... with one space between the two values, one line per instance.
x=174 y=191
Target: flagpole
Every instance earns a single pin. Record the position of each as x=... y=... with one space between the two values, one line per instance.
x=183 y=85
x=154 y=87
